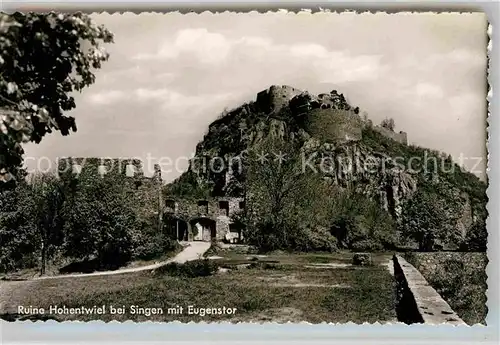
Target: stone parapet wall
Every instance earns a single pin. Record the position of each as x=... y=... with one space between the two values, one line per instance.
x=276 y=97
x=401 y=137
x=334 y=125
x=99 y=165
x=417 y=301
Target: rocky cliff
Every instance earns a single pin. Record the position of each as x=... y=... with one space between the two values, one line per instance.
x=348 y=149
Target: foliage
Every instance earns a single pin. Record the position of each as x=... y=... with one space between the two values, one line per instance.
x=18 y=238
x=47 y=199
x=428 y=163
x=362 y=259
x=295 y=210
x=388 y=123
x=47 y=219
x=189 y=269
x=428 y=218
x=31 y=222
x=187 y=186
x=286 y=206
x=476 y=239
x=361 y=224
x=460 y=279
x=98 y=220
x=153 y=245
x=43 y=59
x=439 y=182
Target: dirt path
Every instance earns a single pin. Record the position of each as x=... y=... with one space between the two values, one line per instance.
x=192 y=251
x=12 y=290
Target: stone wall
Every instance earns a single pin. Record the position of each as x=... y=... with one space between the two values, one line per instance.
x=400 y=137
x=334 y=125
x=97 y=166
x=276 y=97
x=217 y=212
x=417 y=301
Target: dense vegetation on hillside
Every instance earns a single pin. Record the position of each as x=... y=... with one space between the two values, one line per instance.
x=446 y=198
x=441 y=183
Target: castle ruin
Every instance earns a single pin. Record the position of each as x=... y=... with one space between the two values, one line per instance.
x=329 y=117
x=331 y=109
x=203 y=219
x=180 y=219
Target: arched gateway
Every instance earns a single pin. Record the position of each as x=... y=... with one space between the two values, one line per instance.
x=203 y=229
x=202 y=220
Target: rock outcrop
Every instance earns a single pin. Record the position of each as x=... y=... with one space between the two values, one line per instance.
x=334 y=138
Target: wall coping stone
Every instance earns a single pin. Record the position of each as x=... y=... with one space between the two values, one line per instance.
x=431 y=306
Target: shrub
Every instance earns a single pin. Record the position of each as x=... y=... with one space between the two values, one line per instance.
x=190 y=269
x=154 y=246
x=214 y=249
x=265 y=265
x=388 y=123
x=461 y=283
x=476 y=238
x=115 y=252
x=318 y=239
x=360 y=224
x=367 y=245
x=362 y=259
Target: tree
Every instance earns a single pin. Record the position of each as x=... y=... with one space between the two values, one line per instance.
x=47 y=200
x=388 y=123
x=476 y=239
x=31 y=222
x=17 y=235
x=360 y=223
x=43 y=59
x=285 y=205
x=99 y=220
x=429 y=217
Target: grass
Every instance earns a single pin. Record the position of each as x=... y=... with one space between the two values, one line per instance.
x=289 y=291
x=53 y=268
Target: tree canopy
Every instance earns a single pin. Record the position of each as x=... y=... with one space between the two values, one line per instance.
x=43 y=59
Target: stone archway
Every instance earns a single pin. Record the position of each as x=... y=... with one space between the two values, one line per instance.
x=176 y=228
x=203 y=229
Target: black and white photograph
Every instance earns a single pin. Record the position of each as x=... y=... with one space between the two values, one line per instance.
x=244 y=167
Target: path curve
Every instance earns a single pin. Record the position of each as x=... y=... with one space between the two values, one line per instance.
x=9 y=289
x=191 y=251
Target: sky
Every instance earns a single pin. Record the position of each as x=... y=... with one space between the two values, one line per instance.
x=170 y=75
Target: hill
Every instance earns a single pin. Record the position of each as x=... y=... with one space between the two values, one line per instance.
x=426 y=198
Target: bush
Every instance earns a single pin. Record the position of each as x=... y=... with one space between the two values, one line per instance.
x=367 y=245
x=266 y=265
x=318 y=239
x=362 y=259
x=154 y=246
x=476 y=239
x=214 y=249
x=360 y=224
x=190 y=269
x=461 y=283
x=115 y=252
